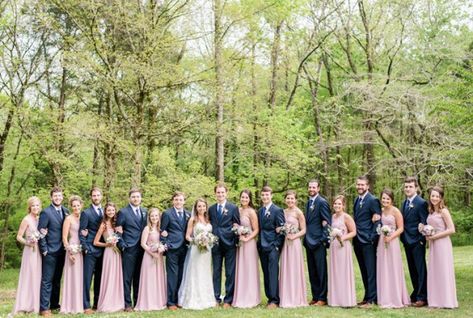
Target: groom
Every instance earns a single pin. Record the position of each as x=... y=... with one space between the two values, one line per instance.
x=223 y=215
x=270 y=218
x=173 y=235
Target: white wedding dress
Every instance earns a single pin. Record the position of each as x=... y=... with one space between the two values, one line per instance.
x=196 y=291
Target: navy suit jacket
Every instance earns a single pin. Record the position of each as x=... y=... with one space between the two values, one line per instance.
x=267 y=237
x=50 y=220
x=90 y=221
x=132 y=226
x=363 y=213
x=222 y=225
x=175 y=227
x=412 y=216
x=314 y=216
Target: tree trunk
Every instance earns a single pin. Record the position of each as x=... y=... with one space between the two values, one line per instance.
x=219 y=98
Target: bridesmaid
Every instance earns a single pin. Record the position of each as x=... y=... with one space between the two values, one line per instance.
x=292 y=285
x=152 y=293
x=29 y=283
x=111 y=284
x=72 y=291
x=247 y=283
x=341 y=279
x=391 y=285
x=441 y=289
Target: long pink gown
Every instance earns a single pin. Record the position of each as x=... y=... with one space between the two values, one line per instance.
x=29 y=283
x=391 y=284
x=341 y=279
x=441 y=287
x=111 y=297
x=292 y=285
x=72 y=291
x=247 y=282
x=152 y=293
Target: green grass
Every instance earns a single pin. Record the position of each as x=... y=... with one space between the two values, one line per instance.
x=464 y=277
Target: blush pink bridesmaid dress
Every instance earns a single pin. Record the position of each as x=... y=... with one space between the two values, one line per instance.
x=441 y=287
x=391 y=283
x=72 y=291
x=247 y=292
x=152 y=293
x=292 y=285
x=29 y=282
x=111 y=297
x=341 y=278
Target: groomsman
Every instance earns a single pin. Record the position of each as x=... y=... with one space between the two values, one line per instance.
x=132 y=220
x=50 y=224
x=270 y=241
x=223 y=215
x=414 y=211
x=90 y=221
x=366 y=239
x=317 y=215
x=173 y=234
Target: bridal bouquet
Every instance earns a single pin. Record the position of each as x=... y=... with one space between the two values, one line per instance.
x=385 y=230
x=114 y=238
x=335 y=234
x=426 y=230
x=34 y=238
x=288 y=228
x=241 y=230
x=74 y=248
x=204 y=240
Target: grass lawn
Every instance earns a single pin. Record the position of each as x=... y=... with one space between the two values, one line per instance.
x=464 y=277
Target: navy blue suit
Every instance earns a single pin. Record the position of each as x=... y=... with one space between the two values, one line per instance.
x=175 y=240
x=132 y=252
x=365 y=242
x=226 y=248
x=315 y=242
x=414 y=245
x=53 y=261
x=269 y=247
x=90 y=220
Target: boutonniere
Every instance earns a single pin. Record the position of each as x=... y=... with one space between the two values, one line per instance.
x=361 y=203
x=143 y=215
x=267 y=214
x=411 y=206
x=312 y=207
x=225 y=212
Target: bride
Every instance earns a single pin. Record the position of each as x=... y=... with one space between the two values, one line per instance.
x=196 y=291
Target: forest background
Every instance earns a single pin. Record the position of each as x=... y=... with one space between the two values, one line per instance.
x=178 y=94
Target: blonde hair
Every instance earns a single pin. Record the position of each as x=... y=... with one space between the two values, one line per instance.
x=341 y=198
x=153 y=210
x=73 y=198
x=30 y=202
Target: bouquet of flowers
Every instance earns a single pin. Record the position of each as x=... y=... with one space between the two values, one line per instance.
x=74 y=248
x=426 y=230
x=204 y=240
x=159 y=247
x=34 y=238
x=385 y=230
x=114 y=238
x=241 y=229
x=335 y=234
x=288 y=228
